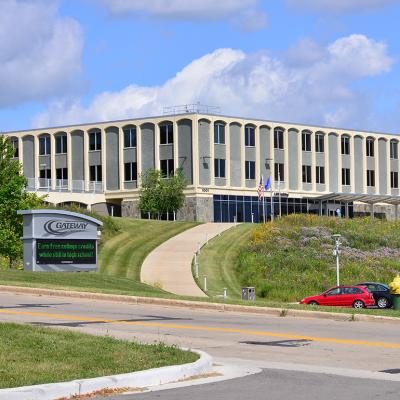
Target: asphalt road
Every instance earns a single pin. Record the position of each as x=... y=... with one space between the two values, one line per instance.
x=290 y=350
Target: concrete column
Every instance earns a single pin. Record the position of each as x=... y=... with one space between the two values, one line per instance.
x=300 y=158
x=53 y=160
x=228 y=155
x=376 y=162
x=388 y=169
x=352 y=168
x=340 y=163
x=139 y=152
x=285 y=159
x=69 y=159
x=313 y=163
x=272 y=161
x=212 y=153
x=21 y=153
x=157 y=146
x=175 y=147
x=257 y=150
x=86 y=159
x=104 y=158
x=364 y=165
x=326 y=161
x=37 y=157
x=121 y=165
x=242 y=156
x=195 y=151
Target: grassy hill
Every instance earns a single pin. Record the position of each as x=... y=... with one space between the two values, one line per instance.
x=292 y=257
x=124 y=245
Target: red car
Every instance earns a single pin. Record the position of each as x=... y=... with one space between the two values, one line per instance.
x=342 y=296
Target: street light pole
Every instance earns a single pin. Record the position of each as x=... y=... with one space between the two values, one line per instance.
x=336 y=252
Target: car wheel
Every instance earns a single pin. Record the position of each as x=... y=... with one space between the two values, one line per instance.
x=358 y=304
x=313 y=303
x=382 y=302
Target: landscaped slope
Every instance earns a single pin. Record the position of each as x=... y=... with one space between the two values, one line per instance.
x=292 y=258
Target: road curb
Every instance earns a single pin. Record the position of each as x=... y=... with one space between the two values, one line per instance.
x=141 y=379
x=278 y=312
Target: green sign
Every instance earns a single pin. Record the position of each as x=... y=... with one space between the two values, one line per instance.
x=65 y=251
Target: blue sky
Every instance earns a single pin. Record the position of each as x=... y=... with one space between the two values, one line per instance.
x=322 y=62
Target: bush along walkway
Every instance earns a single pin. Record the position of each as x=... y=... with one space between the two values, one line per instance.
x=169 y=266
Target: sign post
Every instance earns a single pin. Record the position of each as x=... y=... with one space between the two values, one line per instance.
x=59 y=241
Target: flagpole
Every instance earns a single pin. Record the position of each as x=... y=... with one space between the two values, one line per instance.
x=263 y=200
x=272 y=205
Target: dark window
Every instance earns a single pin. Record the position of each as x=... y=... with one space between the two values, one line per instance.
x=334 y=292
x=62 y=173
x=394 y=153
x=219 y=133
x=61 y=144
x=370 y=147
x=219 y=168
x=14 y=144
x=250 y=167
x=279 y=172
x=346 y=176
x=44 y=145
x=249 y=136
x=166 y=133
x=394 y=179
x=130 y=137
x=278 y=138
x=95 y=173
x=370 y=177
x=319 y=142
x=306 y=141
x=306 y=170
x=130 y=171
x=95 y=140
x=320 y=175
x=345 y=142
x=167 y=168
x=45 y=173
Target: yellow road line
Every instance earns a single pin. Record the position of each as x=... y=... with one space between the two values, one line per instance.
x=205 y=328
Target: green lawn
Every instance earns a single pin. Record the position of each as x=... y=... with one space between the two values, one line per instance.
x=31 y=355
x=218 y=261
x=123 y=254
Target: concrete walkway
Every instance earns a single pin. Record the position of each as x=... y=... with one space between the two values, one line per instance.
x=169 y=266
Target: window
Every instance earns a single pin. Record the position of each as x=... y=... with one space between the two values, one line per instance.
x=219 y=133
x=167 y=168
x=351 y=290
x=346 y=176
x=95 y=140
x=130 y=137
x=219 y=168
x=370 y=147
x=62 y=173
x=370 y=177
x=345 y=142
x=44 y=145
x=279 y=172
x=320 y=175
x=130 y=172
x=166 y=133
x=250 y=167
x=45 y=173
x=319 y=142
x=249 y=136
x=306 y=141
x=334 y=292
x=61 y=144
x=95 y=173
x=306 y=169
x=394 y=153
x=278 y=138
x=394 y=179
x=14 y=144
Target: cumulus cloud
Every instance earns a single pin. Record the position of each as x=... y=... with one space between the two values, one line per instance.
x=340 y=6
x=260 y=85
x=39 y=51
x=244 y=14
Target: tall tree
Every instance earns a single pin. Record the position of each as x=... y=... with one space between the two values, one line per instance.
x=160 y=195
x=13 y=197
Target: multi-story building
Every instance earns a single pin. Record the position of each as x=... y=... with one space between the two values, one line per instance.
x=312 y=169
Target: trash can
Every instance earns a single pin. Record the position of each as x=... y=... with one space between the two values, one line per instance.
x=396 y=301
x=249 y=293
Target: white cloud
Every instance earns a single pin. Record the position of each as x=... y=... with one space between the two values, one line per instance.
x=340 y=6
x=39 y=51
x=244 y=14
x=319 y=91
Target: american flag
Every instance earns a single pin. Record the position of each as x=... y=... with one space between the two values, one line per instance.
x=260 y=189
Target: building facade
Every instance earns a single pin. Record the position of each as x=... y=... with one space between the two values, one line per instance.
x=311 y=169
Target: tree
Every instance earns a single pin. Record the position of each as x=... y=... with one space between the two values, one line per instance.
x=160 y=195
x=13 y=197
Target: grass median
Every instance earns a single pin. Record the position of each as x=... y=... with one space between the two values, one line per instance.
x=33 y=355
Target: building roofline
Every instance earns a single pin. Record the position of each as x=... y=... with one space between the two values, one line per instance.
x=322 y=127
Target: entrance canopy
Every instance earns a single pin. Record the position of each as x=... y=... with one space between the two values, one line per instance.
x=363 y=198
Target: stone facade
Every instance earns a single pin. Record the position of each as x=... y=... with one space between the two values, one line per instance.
x=198 y=209
x=129 y=208
x=388 y=212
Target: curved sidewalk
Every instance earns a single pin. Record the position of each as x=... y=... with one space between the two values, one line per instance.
x=169 y=266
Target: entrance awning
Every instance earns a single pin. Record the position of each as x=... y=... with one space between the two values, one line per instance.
x=363 y=198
